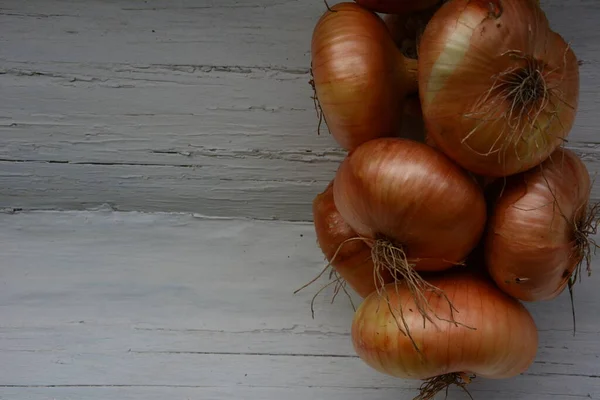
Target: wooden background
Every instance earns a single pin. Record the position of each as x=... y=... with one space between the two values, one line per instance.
x=128 y=130
x=195 y=106
x=104 y=305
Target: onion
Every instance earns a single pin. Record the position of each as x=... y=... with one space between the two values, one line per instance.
x=350 y=258
x=537 y=236
x=499 y=89
x=360 y=78
x=397 y=6
x=414 y=196
x=494 y=336
x=416 y=209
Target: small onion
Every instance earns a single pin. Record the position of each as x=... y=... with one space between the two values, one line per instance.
x=499 y=89
x=360 y=77
x=493 y=335
x=537 y=235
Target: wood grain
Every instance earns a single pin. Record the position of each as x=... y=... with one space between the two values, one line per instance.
x=104 y=304
x=165 y=91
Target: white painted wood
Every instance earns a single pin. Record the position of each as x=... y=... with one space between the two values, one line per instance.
x=156 y=188
x=195 y=97
x=105 y=305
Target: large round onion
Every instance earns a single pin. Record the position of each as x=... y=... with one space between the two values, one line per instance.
x=499 y=89
x=413 y=196
x=494 y=336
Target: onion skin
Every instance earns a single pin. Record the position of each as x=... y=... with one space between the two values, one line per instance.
x=504 y=343
x=531 y=249
x=360 y=78
x=353 y=261
x=484 y=104
x=397 y=6
x=415 y=197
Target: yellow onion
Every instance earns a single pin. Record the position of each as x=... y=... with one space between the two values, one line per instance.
x=499 y=89
x=412 y=195
x=493 y=335
x=360 y=77
x=537 y=235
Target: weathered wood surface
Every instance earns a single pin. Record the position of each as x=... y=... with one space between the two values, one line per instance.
x=200 y=106
x=106 y=305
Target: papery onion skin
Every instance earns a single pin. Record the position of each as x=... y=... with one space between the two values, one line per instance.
x=468 y=52
x=360 y=77
x=502 y=345
x=414 y=196
x=397 y=6
x=531 y=249
x=353 y=261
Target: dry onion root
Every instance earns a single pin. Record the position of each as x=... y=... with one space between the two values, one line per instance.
x=345 y=251
x=416 y=210
x=496 y=336
x=537 y=238
x=499 y=89
x=359 y=76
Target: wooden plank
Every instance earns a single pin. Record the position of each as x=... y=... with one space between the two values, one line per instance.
x=217 y=371
x=147 y=306
x=157 y=188
x=123 y=112
x=259 y=393
x=214 y=85
x=214 y=33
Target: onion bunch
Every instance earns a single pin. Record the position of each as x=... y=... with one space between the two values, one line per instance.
x=444 y=237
